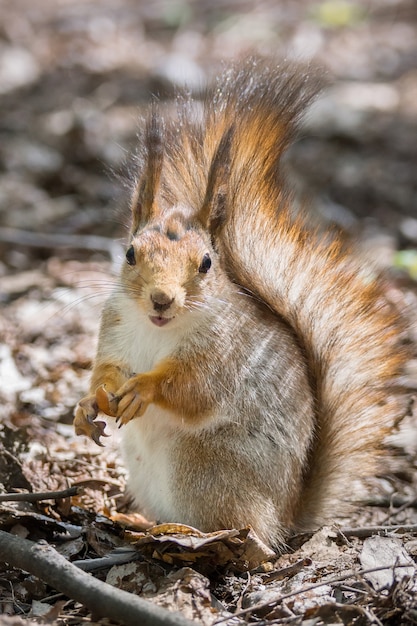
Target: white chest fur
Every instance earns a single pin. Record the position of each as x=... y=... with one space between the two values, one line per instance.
x=148 y=441
x=148 y=445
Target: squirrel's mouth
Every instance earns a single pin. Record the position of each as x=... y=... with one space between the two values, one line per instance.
x=158 y=320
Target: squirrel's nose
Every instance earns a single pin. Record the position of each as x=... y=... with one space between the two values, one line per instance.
x=161 y=301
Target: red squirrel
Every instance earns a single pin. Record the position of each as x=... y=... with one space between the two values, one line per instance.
x=254 y=365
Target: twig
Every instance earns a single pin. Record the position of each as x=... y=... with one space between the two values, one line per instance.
x=243 y=591
x=371 y=617
x=406 y=505
x=395 y=500
x=58 y=240
x=119 y=556
x=332 y=581
x=286 y=572
x=36 y=497
x=42 y=560
x=368 y=531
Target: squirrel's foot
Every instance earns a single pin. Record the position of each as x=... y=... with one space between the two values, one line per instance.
x=131 y=400
x=84 y=420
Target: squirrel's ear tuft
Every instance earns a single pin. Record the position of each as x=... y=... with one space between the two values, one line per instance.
x=144 y=204
x=214 y=210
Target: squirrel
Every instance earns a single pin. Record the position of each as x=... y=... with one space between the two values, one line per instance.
x=254 y=363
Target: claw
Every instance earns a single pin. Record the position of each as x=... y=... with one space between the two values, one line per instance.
x=84 y=420
x=99 y=432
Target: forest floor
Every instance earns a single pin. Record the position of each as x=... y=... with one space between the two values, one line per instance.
x=75 y=76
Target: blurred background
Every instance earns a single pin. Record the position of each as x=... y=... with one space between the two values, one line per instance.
x=75 y=76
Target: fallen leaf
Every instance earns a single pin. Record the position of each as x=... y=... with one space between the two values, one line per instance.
x=177 y=543
x=386 y=552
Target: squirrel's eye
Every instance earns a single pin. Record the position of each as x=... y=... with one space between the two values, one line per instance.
x=205 y=264
x=130 y=256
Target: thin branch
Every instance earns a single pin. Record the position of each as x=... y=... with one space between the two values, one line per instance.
x=42 y=560
x=37 y=497
x=368 y=531
x=286 y=572
x=331 y=581
x=119 y=556
x=34 y=239
x=395 y=500
x=406 y=505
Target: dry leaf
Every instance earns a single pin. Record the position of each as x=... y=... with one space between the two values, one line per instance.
x=386 y=552
x=177 y=543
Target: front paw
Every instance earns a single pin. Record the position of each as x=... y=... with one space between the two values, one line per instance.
x=133 y=399
x=84 y=420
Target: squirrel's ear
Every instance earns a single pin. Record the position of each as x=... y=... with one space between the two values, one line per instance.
x=144 y=205
x=213 y=212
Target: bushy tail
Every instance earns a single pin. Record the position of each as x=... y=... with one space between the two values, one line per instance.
x=351 y=334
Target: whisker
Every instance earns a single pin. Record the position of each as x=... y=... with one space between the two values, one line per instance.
x=67 y=308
